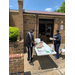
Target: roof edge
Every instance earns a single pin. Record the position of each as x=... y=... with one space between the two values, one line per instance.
x=28 y=12
x=42 y=14
x=40 y=11
x=13 y=10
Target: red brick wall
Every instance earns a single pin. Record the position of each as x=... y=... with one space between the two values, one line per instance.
x=30 y=22
x=14 y=19
x=16 y=64
x=62 y=32
x=16 y=47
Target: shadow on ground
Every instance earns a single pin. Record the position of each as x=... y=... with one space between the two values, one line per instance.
x=27 y=73
x=63 y=56
x=25 y=49
x=45 y=62
x=21 y=73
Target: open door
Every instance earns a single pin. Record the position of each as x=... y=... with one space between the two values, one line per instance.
x=49 y=32
x=42 y=32
x=46 y=29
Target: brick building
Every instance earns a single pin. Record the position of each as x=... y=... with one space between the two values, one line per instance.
x=44 y=23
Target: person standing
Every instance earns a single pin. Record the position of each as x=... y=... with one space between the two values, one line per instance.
x=30 y=44
x=57 y=42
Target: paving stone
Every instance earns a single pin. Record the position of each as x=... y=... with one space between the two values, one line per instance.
x=49 y=73
x=62 y=71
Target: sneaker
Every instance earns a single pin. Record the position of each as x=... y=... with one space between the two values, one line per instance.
x=31 y=63
x=55 y=58
x=27 y=59
x=31 y=58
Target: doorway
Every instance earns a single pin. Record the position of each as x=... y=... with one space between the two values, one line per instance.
x=46 y=29
x=42 y=31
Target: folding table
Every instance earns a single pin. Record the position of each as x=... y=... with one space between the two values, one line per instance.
x=45 y=50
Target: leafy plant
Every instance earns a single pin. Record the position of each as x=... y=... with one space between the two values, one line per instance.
x=13 y=34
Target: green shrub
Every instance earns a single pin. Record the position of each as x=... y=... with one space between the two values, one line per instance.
x=13 y=34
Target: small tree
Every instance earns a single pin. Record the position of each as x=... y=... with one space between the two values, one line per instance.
x=13 y=34
x=61 y=9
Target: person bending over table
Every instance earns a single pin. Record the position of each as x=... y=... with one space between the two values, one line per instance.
x=30 y=43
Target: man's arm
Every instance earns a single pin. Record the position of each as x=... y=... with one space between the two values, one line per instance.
x=28 y=36
x=31 y=39
x=59 y=38
x=32 y=42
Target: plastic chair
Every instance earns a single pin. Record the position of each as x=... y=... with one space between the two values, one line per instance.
x=62 y=50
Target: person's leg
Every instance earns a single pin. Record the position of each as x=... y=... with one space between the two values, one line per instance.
x=28 y=53
x=31 y=51
x=55 y=46
x=30 y=60
x=57 y=50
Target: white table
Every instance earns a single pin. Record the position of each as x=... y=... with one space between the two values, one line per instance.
x=46 y=48
x=42 y=53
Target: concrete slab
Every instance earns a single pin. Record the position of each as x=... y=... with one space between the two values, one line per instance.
x=62 y=71
x=49 y=73
x=59 y=62
x=43 y=61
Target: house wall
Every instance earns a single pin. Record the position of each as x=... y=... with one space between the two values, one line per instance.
x=31 y=22
x=14 y=19
x=57 y=25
